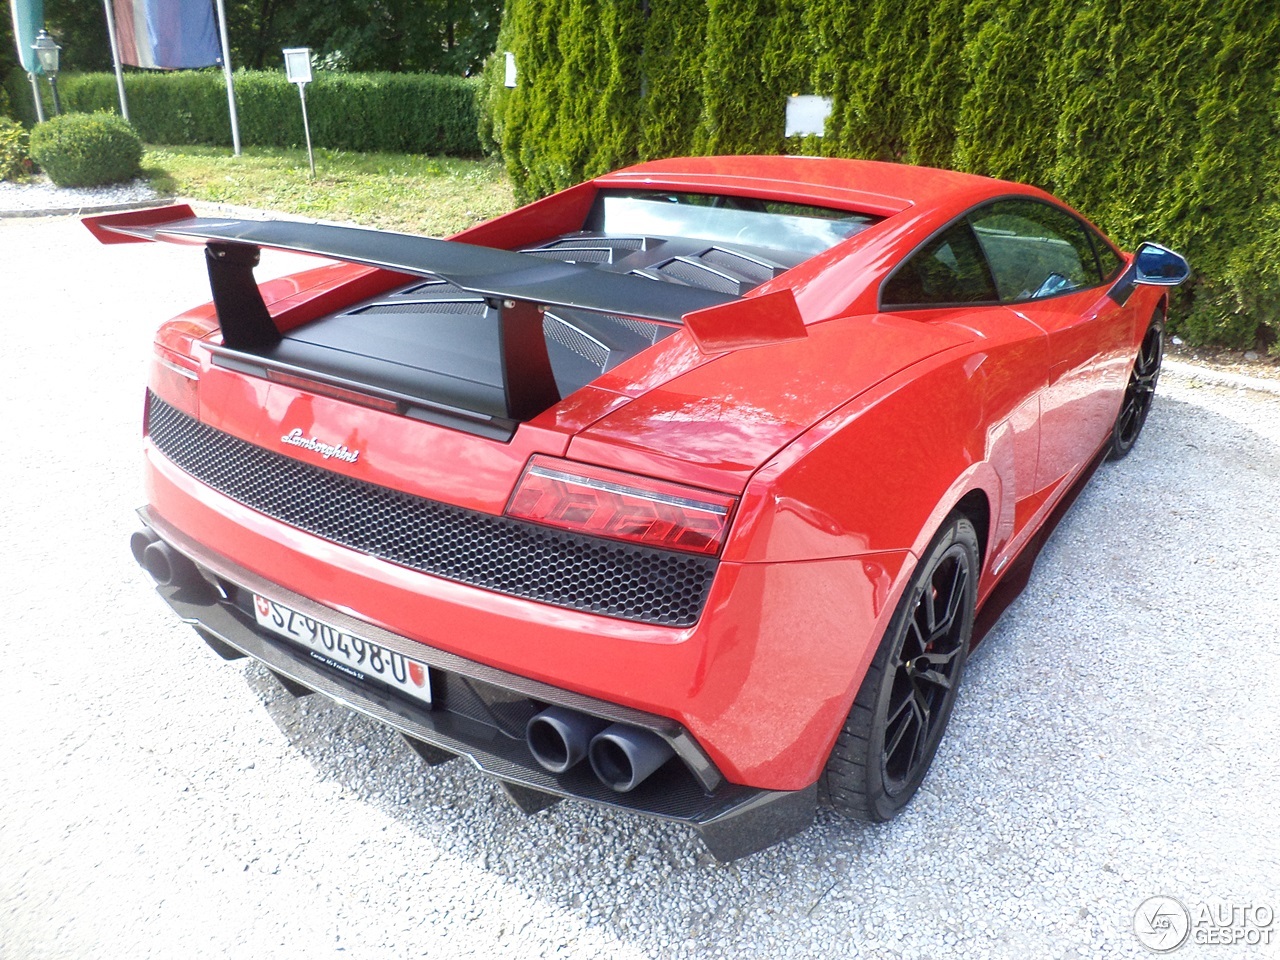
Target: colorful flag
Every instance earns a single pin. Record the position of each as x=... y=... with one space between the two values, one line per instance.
x=167 y=34
x=28 y=18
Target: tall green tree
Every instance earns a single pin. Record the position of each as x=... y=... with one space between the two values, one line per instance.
x=8 y=59
x=1236 y=219
x=81 y=27
x=1007 y=120
x=937 y=86
x=435 y=36
x=575 y=110
x=880 y=109
x=741 y=110
x=671 y=68
x=836 y=29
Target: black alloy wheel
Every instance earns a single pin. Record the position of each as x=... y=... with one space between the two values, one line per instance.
x=898 y=718
x=1139 y=394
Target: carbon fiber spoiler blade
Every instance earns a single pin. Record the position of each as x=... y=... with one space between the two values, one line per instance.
x=516 y=285
x=499 y=274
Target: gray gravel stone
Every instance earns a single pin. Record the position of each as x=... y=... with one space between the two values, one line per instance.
x=38 y=197
x=1116 y=737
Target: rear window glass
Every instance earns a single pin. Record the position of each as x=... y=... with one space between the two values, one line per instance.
x=745 y=221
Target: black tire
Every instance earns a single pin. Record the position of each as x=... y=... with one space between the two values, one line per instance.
x=898 y=717
x=1139 y=393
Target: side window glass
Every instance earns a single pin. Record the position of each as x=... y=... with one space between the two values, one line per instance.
x=1035 y=250
x=1108 y=259
x=949 y=269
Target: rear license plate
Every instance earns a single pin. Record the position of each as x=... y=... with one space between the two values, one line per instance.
x=353 y=656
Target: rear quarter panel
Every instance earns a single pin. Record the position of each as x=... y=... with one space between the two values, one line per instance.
x=882 y=471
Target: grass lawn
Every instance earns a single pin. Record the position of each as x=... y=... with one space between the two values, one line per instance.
x=416 y=194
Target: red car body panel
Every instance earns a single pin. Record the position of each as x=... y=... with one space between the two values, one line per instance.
x=847 y=448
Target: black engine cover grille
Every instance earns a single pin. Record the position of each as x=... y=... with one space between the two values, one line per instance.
x=496 y=553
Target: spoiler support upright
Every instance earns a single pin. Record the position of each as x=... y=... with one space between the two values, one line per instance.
x=246 y=323
x=516 y=286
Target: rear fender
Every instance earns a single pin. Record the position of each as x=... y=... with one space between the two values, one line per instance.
x=882 y=472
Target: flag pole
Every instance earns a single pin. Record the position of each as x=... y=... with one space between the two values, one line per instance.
x=35 y=92
x=226 y=70
x=115 y=57
x=28 y=17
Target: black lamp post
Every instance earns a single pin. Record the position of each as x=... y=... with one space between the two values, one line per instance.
x=47 y=51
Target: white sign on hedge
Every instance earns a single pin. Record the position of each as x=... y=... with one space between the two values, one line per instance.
x=807 y=115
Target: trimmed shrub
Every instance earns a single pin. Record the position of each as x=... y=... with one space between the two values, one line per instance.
x=394 y=112
x=14 y=163
x=87 y=149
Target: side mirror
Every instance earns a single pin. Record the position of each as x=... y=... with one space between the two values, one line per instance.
x=1159 y=266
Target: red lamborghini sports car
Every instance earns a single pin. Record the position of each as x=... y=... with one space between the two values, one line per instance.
x=678 y=491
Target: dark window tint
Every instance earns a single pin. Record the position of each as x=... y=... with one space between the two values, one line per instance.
x=1035 y=250
x=949 y=269
x=1108 y=259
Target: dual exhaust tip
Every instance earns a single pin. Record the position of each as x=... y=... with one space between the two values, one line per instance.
x=621 y=755
x=167 y=566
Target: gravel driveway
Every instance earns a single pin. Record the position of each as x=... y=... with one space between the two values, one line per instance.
x=1117 y=736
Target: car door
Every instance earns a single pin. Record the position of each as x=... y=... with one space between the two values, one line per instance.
x=1047 y=270
x=948 y=281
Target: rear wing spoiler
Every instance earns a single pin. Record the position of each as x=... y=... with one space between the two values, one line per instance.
x=517 y=284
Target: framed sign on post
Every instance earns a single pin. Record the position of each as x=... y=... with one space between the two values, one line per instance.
x=297 y=69
x=807 y=115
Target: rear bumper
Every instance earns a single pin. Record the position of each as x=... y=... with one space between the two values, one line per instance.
x=479 y=712
x=762 y=682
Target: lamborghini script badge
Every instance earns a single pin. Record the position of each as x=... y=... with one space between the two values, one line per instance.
x=327 y=450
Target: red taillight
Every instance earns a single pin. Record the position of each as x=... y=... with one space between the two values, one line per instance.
x=176 y=380
x=623 y=506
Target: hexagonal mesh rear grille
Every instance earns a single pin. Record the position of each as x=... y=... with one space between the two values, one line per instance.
x=495 y=553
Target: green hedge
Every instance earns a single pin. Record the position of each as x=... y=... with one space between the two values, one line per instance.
x=13 y=150
x=396 y=112
x=1157 y=126
x=573 y=112
x=671 y=65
